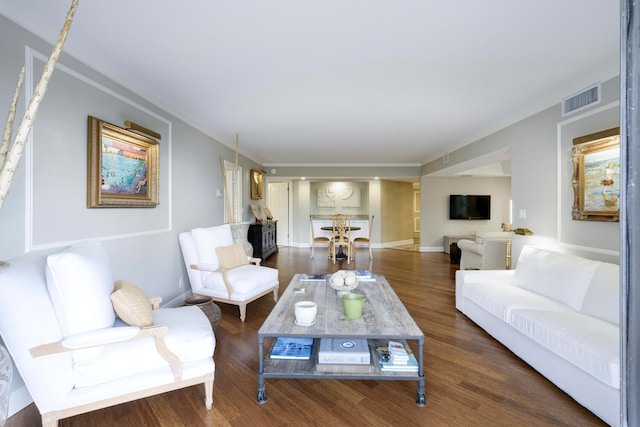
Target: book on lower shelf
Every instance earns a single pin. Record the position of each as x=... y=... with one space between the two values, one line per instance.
x=353 y=351
x=313 y=277
x=386 y=364
x=292 y=348
x=345 y=368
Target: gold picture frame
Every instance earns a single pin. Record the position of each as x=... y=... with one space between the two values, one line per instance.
x=596 y=176
x=256 y=184
x=122 y=167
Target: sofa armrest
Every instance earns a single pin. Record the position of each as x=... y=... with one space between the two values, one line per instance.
x=255 y=261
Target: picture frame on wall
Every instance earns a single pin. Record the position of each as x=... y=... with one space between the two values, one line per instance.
x=256 y=184
x=123 y=167
x=596 y=176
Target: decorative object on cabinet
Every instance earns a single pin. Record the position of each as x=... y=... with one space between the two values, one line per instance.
x=596 y=176
x=263 y=238
x=256 y=213
x=123 y=167
x=256 y=184
x=268 y=213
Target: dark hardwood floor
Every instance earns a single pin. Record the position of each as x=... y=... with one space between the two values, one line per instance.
x=471 y=379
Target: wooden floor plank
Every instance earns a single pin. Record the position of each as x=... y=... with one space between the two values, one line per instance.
x=471 y=379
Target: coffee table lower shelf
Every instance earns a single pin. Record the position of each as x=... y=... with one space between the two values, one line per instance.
x=306 y=369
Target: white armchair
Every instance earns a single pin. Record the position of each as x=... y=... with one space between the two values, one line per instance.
x=221 y=270
x=58 y=322
x=487 y=252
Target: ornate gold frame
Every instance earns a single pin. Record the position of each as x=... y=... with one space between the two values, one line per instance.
x=596 y=176
x=256 y=184
x=137 y=188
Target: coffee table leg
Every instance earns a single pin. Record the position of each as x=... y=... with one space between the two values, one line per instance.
x=421 y=397
x=262 y=391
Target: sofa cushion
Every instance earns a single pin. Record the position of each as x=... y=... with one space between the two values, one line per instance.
x=189 y=337
x=131 y=304
x=589 y=343
x=206 y=240
x=500 y=300
x=232 y=256
x=564 y=278
x=80 y=282
x=603 y=297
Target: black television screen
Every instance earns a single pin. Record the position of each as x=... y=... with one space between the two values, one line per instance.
x=469 y=207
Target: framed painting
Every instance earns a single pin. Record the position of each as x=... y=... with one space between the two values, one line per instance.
x=122 y=167
x=256 y=184
x=596 y=176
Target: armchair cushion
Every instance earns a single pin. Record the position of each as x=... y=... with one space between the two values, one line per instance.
x=80 y=282
x=232 y=256
x=206 y=240
x=247 y=281
x=189 y=337
x=131 y=304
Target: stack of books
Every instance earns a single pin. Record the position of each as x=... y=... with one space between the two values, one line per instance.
x=344 y=355
x=313 y=277
x=396 y=357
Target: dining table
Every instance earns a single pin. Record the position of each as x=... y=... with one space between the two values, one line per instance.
x=340 y=255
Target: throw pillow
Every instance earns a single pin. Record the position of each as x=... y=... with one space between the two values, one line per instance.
x=232 y=256
x=131 y=304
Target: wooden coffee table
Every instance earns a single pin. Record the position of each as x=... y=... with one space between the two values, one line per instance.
x=384 y=318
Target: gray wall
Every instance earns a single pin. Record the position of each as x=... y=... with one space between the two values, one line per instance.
x=541 y=167
x=46 y=211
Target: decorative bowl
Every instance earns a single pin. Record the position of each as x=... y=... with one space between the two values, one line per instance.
x=343 y=280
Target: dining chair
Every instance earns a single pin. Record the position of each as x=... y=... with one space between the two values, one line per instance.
x=341 y=237
x=317 y=239
x=364 y=240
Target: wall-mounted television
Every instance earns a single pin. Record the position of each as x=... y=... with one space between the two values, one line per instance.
x=462 y=206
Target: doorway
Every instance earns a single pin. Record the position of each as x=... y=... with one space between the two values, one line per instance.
x=278 y=203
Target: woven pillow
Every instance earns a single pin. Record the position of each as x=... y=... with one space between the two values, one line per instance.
x=131 y=304
x=232 y=256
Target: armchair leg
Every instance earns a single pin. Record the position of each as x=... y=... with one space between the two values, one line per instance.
x=208 y=391
x=243 y=312
x=275 y=294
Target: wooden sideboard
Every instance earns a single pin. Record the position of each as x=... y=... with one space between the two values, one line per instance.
x=263 y=238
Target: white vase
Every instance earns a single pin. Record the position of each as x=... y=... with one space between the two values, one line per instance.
x=240 y=231
x=6 y=372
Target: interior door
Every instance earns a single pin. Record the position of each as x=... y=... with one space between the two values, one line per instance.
x=278 y=203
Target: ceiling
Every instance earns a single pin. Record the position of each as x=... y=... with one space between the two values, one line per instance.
x=335 y=81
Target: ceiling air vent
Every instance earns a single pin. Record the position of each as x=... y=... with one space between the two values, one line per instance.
x=584 y=99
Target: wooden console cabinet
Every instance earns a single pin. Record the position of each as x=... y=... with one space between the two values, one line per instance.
x=263 y=238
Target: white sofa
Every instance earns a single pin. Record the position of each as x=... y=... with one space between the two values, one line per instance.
x=75 y=355
x=487 y=252
x=560 y=314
